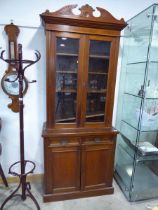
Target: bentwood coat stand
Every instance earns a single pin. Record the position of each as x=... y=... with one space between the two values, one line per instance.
x=20 y=65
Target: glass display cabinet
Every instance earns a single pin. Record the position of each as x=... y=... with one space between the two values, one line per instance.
x=136 y=167
x=79 y=140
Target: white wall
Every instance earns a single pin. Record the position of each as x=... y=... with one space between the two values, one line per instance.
x=26 y=15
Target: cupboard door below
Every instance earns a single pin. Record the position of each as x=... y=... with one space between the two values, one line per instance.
x=63 y=167
x=97 y=165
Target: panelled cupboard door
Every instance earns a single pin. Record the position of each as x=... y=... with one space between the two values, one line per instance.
x=97 y=165
x=63 y=170
x=84 y=78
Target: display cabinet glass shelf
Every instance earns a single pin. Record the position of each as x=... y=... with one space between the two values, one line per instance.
x=136 y=165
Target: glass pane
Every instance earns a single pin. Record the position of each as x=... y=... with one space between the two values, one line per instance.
x=131 y=114
x=134 y=81
x=124 y=166
x=138 y=32
x=97 y=80
x=66 y=79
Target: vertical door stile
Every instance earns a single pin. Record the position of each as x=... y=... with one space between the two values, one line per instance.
x=82 y=80
x=51 y=74
x=111 y=81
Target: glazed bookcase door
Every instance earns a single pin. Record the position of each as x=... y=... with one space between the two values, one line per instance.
x=67 y=60
x=97 y=80
x=100 y=79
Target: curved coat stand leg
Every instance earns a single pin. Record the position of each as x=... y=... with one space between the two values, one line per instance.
x=3 y=176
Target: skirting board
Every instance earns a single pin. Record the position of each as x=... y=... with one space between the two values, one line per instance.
x=30 y=178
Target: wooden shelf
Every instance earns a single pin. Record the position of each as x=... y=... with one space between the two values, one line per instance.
x=74 y=91
x=75 y=72
x=98 y=73
x=67 y=54
x=94 y=115
x=87 y=116
x=100 y=56
x=66 y=91
x=67 y=72
x=96 y=91
x=66 y=119
x=91 y=56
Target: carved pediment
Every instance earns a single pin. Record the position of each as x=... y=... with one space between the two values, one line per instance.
x=86 y=14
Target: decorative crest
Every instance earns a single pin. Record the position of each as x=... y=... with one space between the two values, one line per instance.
x=86 y=11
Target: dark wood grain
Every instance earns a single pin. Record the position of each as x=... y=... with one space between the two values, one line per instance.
x=79 y=156
x=50 y=76
x=65 y=168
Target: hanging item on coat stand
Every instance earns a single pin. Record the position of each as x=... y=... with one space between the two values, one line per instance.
x=12 y=89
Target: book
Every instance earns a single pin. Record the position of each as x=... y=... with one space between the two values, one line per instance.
x=146 y=148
